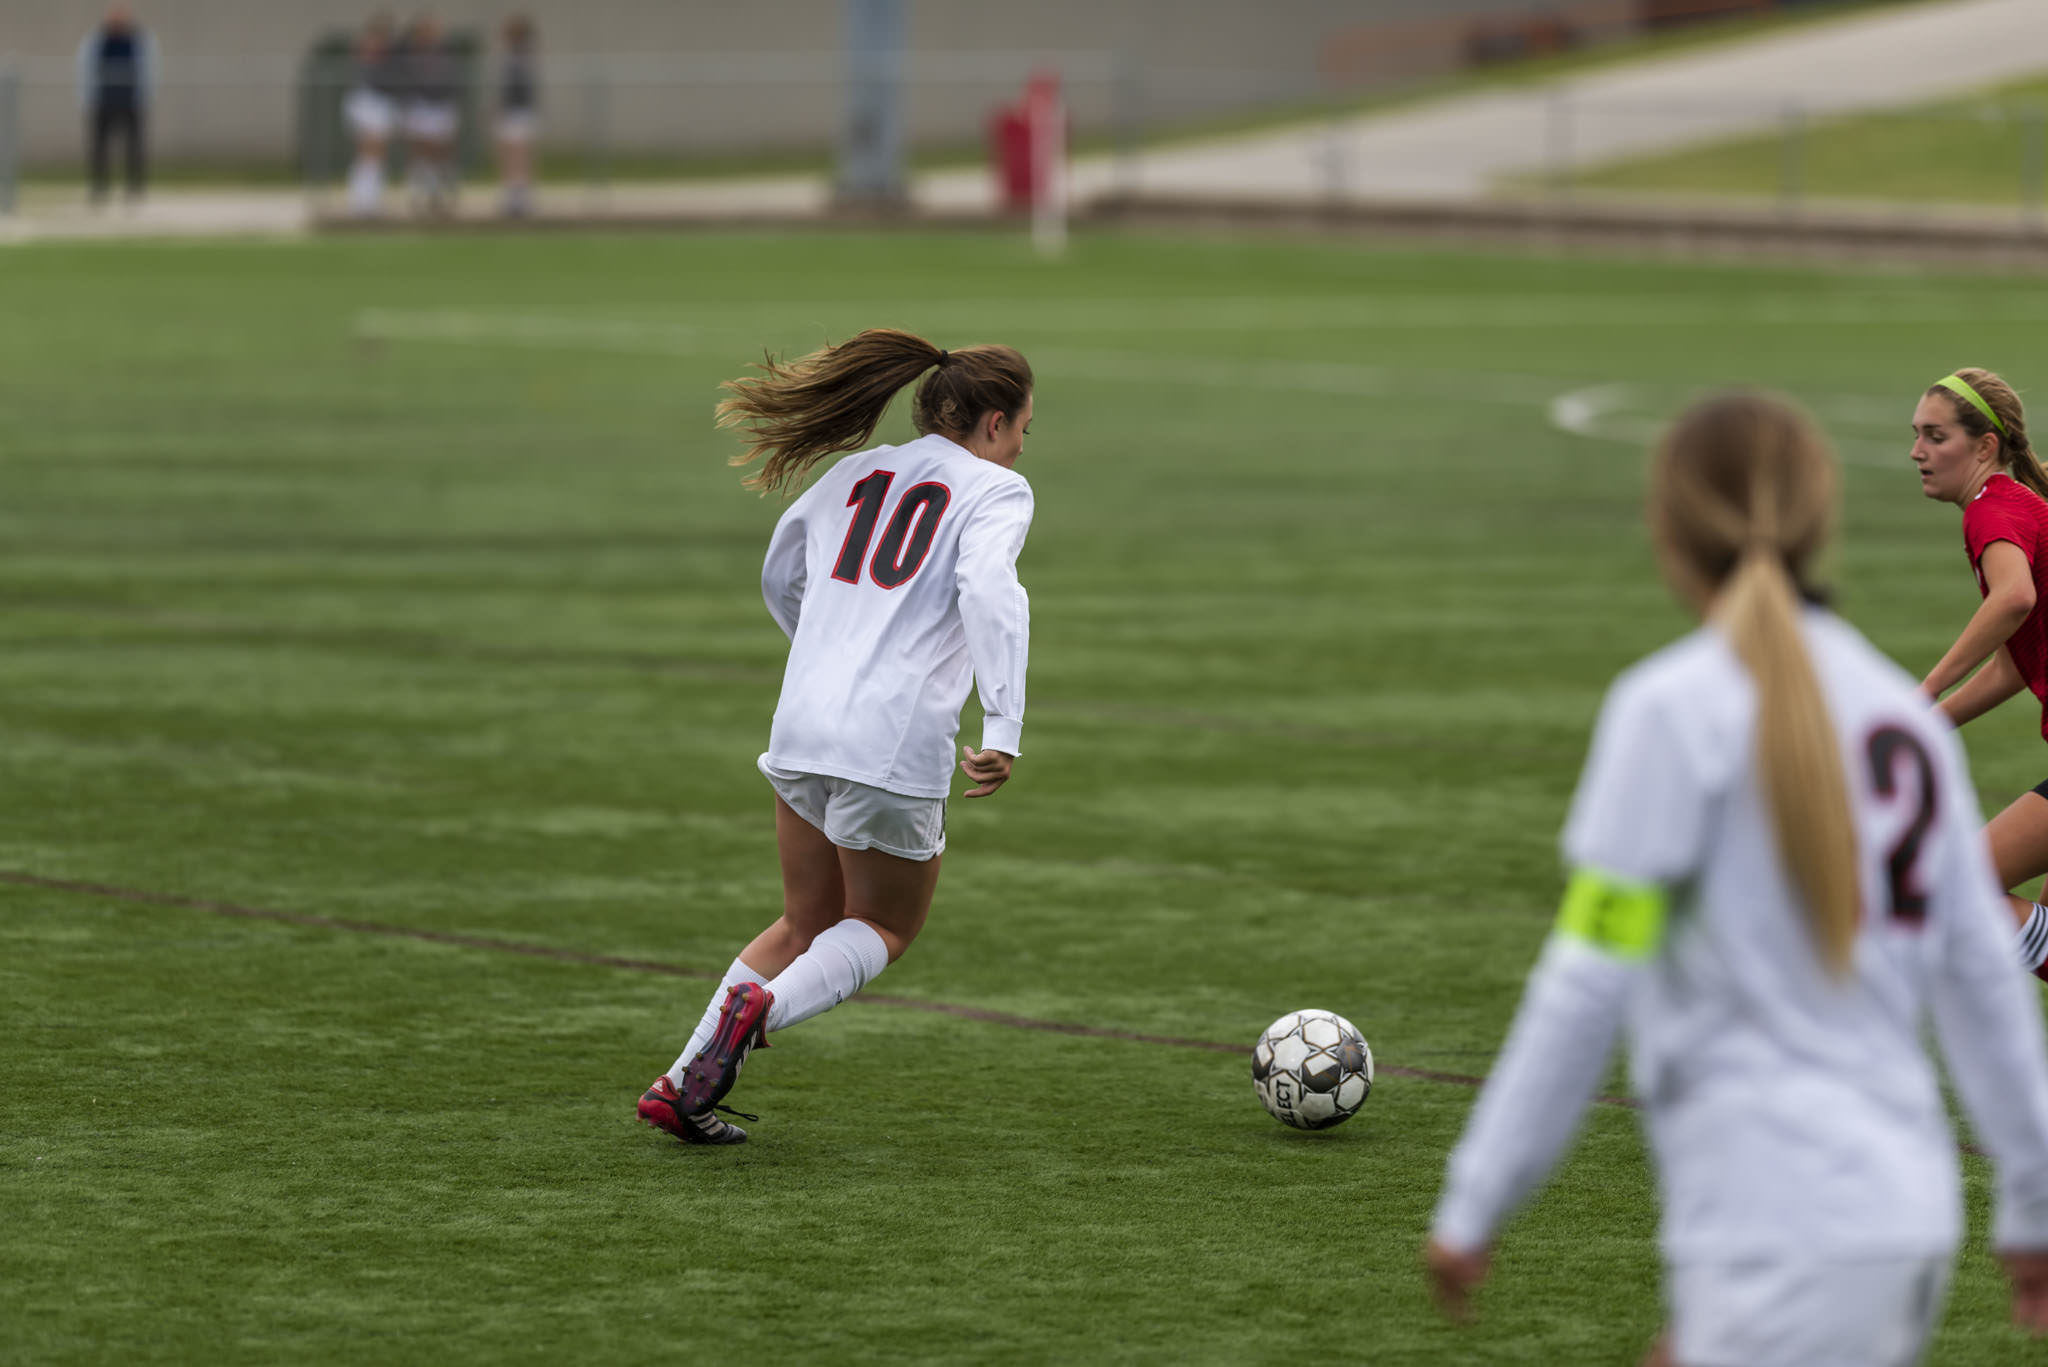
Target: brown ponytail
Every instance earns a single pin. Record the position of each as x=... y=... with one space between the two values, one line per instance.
x=831 y=400
x=2015 y=453
x=1742 y=497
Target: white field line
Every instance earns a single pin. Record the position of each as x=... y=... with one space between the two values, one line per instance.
x=649 y=338
x=1596 y=412
x=1362 y=313
x=1637 y=414
x=1629 y=413
x=527 y=330
x=1307 y=377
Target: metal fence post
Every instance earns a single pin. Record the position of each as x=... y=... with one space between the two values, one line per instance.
x=1792 y=160
x=10 y=137
x=597 y=94
x=1559 y=132
x=605 y=95
x=587 y=149
x=871 y=135
x=2034 y=168
x=1336 y=161
x=1049 y=169
x=321 y=134
x=1128 y=96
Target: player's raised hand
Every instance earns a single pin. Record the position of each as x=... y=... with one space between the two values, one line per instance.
x=989 y=768
x=2029 y=1274
x=1453 y=1277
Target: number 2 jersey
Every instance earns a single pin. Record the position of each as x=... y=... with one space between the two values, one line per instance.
x=895 y=577
x=1791 y=1113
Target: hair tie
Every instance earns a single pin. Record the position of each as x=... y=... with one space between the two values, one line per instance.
x=943 y=354
x=1957 y=385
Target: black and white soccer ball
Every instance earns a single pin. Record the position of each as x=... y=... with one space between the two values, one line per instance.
x=1312 y=1069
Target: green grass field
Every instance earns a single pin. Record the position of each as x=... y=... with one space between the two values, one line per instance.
x=1988 y=149
x=402 y=583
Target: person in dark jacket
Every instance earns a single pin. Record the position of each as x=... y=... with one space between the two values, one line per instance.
x=371 y=107
x=432 y=116
x=116 y=80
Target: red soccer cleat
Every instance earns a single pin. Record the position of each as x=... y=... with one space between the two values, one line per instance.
x=742 y=1025
x=661 y=1107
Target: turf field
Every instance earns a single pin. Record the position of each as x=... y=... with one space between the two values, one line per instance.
x=399 y=587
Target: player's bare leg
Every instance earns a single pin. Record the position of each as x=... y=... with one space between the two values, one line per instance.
x=1660 y=1352
x=418 y=171
x=366 y=177
x=893 y=895
x=885 y=903
x=446 y=172
x=515 y=165
x=813 y=894
x=813 y=899
x=2018 y=837
x=830 y=949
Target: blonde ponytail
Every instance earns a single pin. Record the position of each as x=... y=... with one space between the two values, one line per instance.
x=1744 y=497
x=1799 y=762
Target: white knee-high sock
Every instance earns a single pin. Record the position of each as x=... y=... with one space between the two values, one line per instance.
x=839 y=963
x=2033 y=939
x=738 y=973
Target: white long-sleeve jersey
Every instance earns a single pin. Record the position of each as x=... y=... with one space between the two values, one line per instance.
x=895 y=577
x=1789 y=1112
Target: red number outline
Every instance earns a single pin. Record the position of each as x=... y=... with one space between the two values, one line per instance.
x=864 y=522
x=913 y=534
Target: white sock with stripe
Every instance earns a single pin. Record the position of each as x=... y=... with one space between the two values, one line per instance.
x=839 y=963
x=735 y=975
x=2033 y=939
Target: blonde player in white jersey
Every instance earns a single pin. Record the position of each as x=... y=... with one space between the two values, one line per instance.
x=1778 y=870
x=895 y=578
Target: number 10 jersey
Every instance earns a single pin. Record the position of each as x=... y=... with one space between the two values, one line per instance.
x=895 y=577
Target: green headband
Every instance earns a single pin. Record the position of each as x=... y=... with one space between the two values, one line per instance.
x=1957 y=385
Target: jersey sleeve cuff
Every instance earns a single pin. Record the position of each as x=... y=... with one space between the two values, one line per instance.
x=1002 y=733
x=2021 y=1221
x=1461 y=1225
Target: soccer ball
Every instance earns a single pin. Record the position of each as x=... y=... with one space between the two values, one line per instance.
x=1312 y=1069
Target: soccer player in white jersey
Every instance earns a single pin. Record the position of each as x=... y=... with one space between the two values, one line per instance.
x=895 y=578
x=1778 y=870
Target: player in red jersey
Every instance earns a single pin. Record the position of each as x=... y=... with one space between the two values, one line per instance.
x=1970 y=444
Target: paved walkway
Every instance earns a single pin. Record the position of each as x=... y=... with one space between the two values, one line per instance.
x=1457 y=148
x=173 y=213
x=47 y=213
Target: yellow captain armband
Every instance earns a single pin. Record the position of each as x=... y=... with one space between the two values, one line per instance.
x=1615 y=915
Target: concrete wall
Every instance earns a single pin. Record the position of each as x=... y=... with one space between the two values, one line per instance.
x=695 y=77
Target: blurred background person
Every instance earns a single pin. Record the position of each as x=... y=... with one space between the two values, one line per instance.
x=372 y=112
x=432 y=115
x=518 y=116
x=116 y=79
